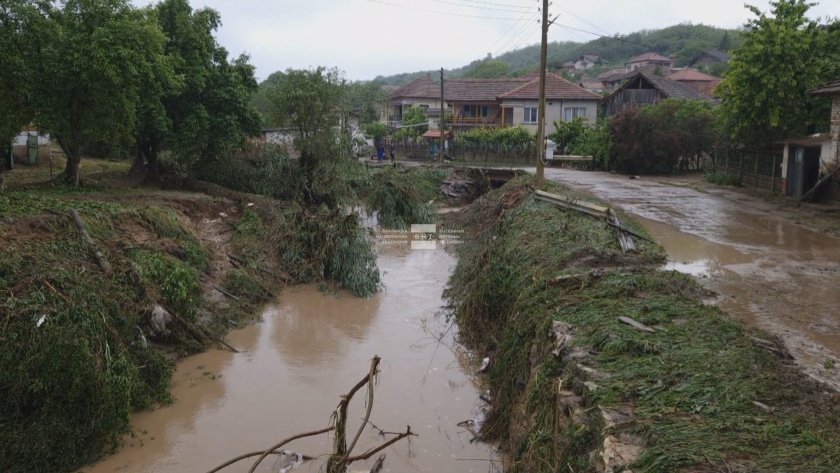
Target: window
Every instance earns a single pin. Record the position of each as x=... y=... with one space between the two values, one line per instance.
x=530 y=115
x=484 y=111
x=570 y=113
x=424 y=107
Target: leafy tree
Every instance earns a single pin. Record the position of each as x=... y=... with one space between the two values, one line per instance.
x=725 y=43
x=415 y=122
x=312 y=102
x=489 y=69
x=202 y=107
x=376 y=131
x=765 y=90
x=20 y=23
x=367 y=98
x=92 y=65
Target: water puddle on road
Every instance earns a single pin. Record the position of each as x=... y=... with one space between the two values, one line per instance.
x=766 y=270
x=310 y=348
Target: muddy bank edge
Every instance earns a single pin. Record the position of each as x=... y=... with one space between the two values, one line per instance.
x=540 y=291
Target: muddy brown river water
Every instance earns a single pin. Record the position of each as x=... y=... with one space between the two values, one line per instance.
x=310 y=348
x=766 y=269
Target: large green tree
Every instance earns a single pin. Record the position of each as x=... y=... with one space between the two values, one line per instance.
x=783 y=55
x=313 y=103
x=20 y=23
x=202 y=109
x=91 y=66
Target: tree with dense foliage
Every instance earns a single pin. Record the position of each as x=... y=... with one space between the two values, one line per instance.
x=366 y=98
x=201 y=110
x=668 y=137
x=312 y=103
x=92 y=62
x=489 y=69
x=415 y=122
x=20 y=22
x=784 y=55
x=376 y=131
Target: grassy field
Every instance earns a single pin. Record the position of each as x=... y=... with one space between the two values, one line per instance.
x=701 y=393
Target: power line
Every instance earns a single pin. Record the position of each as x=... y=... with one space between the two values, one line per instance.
x=513 y=28
x=495 y=4
x=383 y=2
x=467 y=5
x=522 y=30
x=616 y=37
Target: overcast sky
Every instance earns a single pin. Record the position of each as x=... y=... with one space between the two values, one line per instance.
x=366 y=38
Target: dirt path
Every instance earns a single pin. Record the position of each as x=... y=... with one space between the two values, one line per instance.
x=767 y=268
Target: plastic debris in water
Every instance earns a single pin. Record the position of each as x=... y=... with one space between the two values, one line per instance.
x=41 y=321
x=286 y=461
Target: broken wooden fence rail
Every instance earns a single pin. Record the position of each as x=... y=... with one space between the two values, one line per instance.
x=598 y=211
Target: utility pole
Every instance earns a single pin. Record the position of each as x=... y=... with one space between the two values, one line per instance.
x=541 y=112
x=442 y=119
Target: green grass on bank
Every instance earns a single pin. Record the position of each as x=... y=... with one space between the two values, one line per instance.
x=692 y=384
x=77 y=350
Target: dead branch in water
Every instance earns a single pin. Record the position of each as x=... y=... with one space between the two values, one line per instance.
x=340 y=459
x=269 y=451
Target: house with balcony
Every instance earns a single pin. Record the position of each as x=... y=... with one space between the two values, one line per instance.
x=423 y=92
x=475 y=101
x=645 y=88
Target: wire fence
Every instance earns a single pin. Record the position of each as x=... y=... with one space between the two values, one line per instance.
x=486 y=153
x=760 y=168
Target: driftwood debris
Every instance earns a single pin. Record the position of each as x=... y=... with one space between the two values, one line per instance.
x=457 y=187
x=636 y=324
x=341 y=457
x=221 y=290
x=625 y=236
x=100 y=257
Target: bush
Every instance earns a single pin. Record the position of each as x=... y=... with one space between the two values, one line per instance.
x=402 y=198
x=516 y=136
x=665 y=138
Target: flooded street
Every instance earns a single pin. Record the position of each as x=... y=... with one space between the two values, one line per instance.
x=310 y=348
x=767 y=270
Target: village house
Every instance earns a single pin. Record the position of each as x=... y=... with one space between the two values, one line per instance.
x=644 y=88
x=582 y=63
x=496 y=103
x=648 y=61
x=710 y=58
x=565 y=101
x=809 y=161
x=699 y=81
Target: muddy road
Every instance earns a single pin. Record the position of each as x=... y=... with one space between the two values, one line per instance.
x=310 y=348
x=766 y=269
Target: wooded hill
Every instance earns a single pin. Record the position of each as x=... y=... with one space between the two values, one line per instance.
x=685 y=41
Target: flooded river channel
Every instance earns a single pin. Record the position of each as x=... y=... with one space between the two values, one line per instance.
x=766 y=269
x=310 y=348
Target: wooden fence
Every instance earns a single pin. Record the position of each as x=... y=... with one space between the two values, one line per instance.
x=754 y=168
x=487 y=153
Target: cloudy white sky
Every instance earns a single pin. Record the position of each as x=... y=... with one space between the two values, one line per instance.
x=366 y=38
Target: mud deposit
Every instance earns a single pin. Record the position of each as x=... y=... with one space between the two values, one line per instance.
x=766 y=269
x=310 y=348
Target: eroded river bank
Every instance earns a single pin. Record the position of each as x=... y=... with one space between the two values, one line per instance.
x=766 y=269
x=309 y=349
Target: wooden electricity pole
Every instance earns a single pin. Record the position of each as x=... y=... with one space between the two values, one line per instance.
x=442 y=119
x=541 y=112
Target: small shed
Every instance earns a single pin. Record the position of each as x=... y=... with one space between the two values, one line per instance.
x=434 y=137
x=31 y=147
x=803 y=162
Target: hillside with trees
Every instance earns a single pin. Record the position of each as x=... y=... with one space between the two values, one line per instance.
x=685 y=41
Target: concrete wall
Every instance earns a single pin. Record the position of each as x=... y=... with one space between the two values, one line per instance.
x=20 y=150
x=554 y=111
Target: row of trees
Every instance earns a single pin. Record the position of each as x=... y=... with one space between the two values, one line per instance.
x=104 y=73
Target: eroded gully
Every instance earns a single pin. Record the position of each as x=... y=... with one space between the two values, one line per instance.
x=766 y=270
x=310 y=348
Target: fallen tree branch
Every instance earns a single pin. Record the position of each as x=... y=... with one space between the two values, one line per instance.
x=271 y=449
x=378 y=449
x=219 y=288
x=249 y=455
x=100 y=257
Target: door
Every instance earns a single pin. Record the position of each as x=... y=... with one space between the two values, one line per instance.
x=32 y=148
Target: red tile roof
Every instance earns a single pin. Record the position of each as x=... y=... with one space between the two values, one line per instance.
x=479 y=90
x=422 y=88
x=556 y=88
x=648 y=57
x=691 y=75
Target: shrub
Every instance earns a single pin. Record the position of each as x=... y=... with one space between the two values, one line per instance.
x=668 y=137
